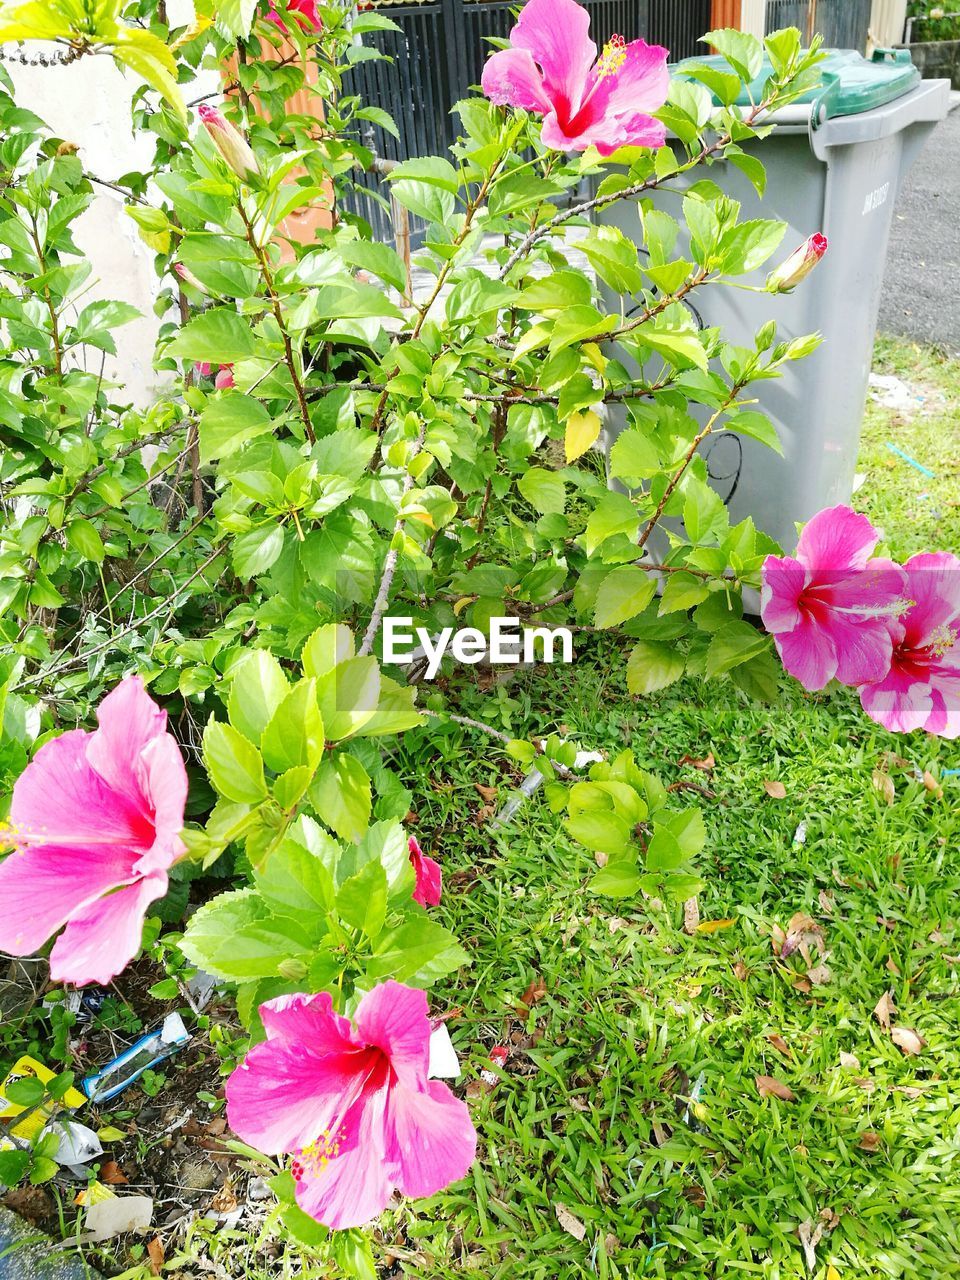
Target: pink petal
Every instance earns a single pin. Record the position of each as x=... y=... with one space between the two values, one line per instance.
x=102 y=938
x=899 y=702
x=632 y=131
x=59 y=799
x=394 y=1018
x=128 y=720
x=837 y=538
x=635 y=88
x=556 y=34
x=863 y=647
x=165 y=779
x=431 y=1140
x=308 y=1020
x=429 y=878
x=283 y=1096
x=808 y=654
x=42 y=887
x=510 y=78
x=783 y=583
x=933 y=584
x=355 y=1185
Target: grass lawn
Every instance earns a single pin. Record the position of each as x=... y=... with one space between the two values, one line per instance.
x=592 y=1113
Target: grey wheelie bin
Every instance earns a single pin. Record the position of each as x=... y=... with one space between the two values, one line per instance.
x=835 y=164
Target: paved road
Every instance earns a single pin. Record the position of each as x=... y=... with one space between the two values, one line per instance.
x=921 y=289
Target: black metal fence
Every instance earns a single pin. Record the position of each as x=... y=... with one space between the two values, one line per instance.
x=844 y=24
x=439 y=52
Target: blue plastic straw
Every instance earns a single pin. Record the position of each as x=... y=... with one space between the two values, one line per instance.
x=912 y=461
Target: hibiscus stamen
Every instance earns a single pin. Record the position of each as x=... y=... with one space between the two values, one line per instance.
x=312 y=1159
x=612 y=58
x=943 y=638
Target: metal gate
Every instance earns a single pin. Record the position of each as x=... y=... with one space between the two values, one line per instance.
x=844 y=24
x=439 y=52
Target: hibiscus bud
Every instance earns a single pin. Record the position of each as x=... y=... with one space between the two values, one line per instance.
x=231 y=144
x=798 y=266
x=224 y=379
x=292 y=969
x=187 y=276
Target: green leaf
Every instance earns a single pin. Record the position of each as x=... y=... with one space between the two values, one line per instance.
x=556 y=292
x=757 y=426
x=613 y=257
x=418 y=953
x=744 y=52
x=210 y=932
x=663 y=851
x=233 y=763
x=620 y=878
x=623 y=594
x=544 y=490
x=149 y=57
x=258 y=686
x=348 y=696
x=362 y=900
x=634 y=456
x=653 y=666
x=600 y=830
x=85 y=539
x=341 y=796
x=747 y=246
x=379 y=259
x=295 y=880
x=682 y=591
x=433 y=170
x=219 y=336
x=256 y=550
x=614 y=514
x=733 y=644
x=430 y=202
x=228 y=422
x=294 y=735
x=326 y=648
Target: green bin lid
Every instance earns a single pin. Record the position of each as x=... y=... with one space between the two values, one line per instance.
x=849 y=82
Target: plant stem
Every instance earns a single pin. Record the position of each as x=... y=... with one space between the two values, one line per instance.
x=267 y=274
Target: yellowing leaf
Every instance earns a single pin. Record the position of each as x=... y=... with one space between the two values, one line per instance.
x=462 y=603
x=196 y=28
x=714 y=926
x=582 y=431
x=832 y=1273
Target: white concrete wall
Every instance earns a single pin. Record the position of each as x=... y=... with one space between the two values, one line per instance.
x=753 y=17
x=88 y=102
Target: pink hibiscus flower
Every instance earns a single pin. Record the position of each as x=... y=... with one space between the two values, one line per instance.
x=921 y=690
x=304 y=13
x=828 y=608
x=429 y=884
x=224 y=379
x=95 y=822
x=355 y=1108
x=552 y=69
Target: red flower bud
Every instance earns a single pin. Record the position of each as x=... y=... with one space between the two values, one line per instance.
x=231 y=144
x=798 y=266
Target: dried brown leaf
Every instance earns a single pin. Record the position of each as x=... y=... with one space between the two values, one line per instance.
x=884 y=784
x=780 y=1045
x=486 y=793
x=869 y=1140
x=572 y=1225
x=112 y=1174
x=691 y=915
x=535 y=992
x=157 y=1256
x=740 y=971
x=706 y=765
x=770 y=1087
x=820 y=975
x=884 y=1010
x=849 y=1061
x=775 y=790
x=907 y=1041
